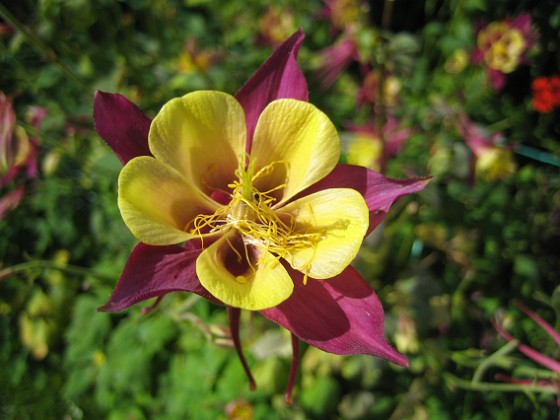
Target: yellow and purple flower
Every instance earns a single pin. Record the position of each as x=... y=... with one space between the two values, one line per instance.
x=18 y=154
x=375 y=88
x=502 y=46
x=367 y=147
x=344 y=14
x=276 y=24
x=241 y=200
x=195 y=59
x=490 y=161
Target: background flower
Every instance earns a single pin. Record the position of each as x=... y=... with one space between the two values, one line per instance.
x=490 y=160
x=502 y=46
x=546 y=93
x=18 y=154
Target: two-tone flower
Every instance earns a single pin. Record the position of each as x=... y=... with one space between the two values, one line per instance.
x=502 y=46
x=240 y=199
x=372 y=149
x=490 y=160
x=18 y=154
x=344 y=14
x=376 y=88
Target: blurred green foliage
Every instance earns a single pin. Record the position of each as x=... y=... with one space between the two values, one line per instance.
x=444 y=262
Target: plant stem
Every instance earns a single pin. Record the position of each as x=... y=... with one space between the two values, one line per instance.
x=491 y=360
x=49 y=265
x=487 y=386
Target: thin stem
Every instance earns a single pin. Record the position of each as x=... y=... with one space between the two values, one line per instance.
x=293 y=370
x=49 y=265
x=491 y=360
x=487 y=386
x=234 y=315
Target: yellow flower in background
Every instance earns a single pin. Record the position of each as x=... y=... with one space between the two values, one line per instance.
x=371 y=149
x=495 y=163
x=365 y=151
x=457 y=62
x=490 y=161
x=376 y=88
x=276 y=24
x=343 y=13
x=195 y=59
x=502 y=45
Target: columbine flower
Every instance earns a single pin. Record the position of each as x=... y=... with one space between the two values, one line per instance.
x=343 y=14
x=18 y=153
x=334 y=59
x=240 y=200
x=194 y=59
x=367 y=148
x=275 y=25
x=490 y=161
x=502 y=46
x=546 y=93
x=370 y=89
x=457 y=62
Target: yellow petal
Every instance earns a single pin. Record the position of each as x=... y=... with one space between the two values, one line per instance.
x=156 y=202
x=301 y=139
x=222 y=269
x=202 y=135
x=342 y=217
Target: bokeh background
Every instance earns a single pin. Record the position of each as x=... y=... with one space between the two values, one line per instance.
x=465 y=91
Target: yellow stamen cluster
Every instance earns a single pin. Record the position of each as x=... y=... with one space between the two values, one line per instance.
x=252 y=214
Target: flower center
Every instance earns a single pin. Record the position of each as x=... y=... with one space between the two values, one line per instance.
x=251 y=212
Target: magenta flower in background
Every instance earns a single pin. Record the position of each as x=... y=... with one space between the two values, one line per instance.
x=345 y=17
x=343 y=14
x=276 y=24
x=374 y=88
x=11 y=200
x=18 y=154
x=502 y=46
x=368 y=148
x=335 y=59
x=13 y=151
x=490 y=161
x=270 y=272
